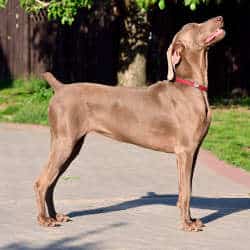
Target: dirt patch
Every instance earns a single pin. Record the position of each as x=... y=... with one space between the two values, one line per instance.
x=247 y=149
x=3 y=106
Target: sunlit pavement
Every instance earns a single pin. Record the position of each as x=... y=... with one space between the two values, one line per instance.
x=119 y=197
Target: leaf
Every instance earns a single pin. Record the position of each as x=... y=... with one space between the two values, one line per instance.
x=161 y=4
x=187 y=2
x=193 y=6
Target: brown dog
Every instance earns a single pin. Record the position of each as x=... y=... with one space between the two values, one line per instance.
x=169 y=117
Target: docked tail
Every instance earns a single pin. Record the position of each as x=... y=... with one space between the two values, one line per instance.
x=52 y=81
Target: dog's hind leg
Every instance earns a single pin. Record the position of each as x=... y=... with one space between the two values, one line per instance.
x=63 y=151
x=49 y=195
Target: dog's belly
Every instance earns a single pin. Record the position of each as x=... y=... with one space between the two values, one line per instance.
x=135 y=126
x=146 y=139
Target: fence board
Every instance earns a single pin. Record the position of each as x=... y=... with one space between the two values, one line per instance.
x=13 y=44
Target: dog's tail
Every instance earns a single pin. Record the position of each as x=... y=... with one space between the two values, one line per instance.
x=53 y=82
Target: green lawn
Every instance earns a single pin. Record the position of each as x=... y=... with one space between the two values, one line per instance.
x=25 y=102
x=228 y=137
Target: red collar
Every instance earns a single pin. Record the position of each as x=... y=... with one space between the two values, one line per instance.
x=191 y=83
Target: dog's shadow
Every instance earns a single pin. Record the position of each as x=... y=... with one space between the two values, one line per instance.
x=221 y=206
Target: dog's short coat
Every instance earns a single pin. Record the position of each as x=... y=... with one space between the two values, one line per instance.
x=167 y=116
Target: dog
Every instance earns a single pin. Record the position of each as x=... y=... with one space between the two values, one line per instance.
x=171 y=116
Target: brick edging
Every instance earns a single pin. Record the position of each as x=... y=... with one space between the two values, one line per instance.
x=237 y=175
x=13 y=125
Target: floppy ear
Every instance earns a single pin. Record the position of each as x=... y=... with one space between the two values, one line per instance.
x=173 y=57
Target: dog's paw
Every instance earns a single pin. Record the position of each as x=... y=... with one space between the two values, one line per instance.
x=47 y=221
x=62 y=218
x=195 y=225
x=198 y=223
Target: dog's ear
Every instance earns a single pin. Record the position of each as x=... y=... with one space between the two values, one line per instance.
x=173 y=57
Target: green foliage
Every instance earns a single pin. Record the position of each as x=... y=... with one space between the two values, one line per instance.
x=3 y=3
x=145 y=4
x=194 y=3
x=63 y=10
x=66 y=10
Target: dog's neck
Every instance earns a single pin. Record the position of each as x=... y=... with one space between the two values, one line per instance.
x=193 y=66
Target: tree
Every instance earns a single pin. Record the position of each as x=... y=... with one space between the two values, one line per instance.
x=134 y=39
x=134 y=34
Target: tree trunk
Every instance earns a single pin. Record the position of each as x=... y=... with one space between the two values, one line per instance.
x=133 y=47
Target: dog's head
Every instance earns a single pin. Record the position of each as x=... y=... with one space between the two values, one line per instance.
x=194 y=37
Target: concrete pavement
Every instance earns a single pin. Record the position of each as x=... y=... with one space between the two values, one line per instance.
x=119 y=196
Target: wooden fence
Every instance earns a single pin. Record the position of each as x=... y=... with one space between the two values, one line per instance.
x=14 y=46
x=89 y=49
x=29 y=45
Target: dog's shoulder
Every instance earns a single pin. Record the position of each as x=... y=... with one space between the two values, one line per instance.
x=160 y=87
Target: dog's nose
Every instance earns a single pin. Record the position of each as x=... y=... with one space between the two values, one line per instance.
x=219 y=19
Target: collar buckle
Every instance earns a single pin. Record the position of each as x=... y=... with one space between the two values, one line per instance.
x=196 y=85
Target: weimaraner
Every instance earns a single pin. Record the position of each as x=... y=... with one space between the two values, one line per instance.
x=171 y=116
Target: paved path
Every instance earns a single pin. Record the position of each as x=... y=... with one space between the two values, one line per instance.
x=119 y=196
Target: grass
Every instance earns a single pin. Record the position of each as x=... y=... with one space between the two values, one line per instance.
x=26 y=101
x=71 y=178
x=228 y=137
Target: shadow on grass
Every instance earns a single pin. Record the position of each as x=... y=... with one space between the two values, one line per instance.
x=69 y=243
x=8 y=83
x=222 y=206
x=227 y=103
